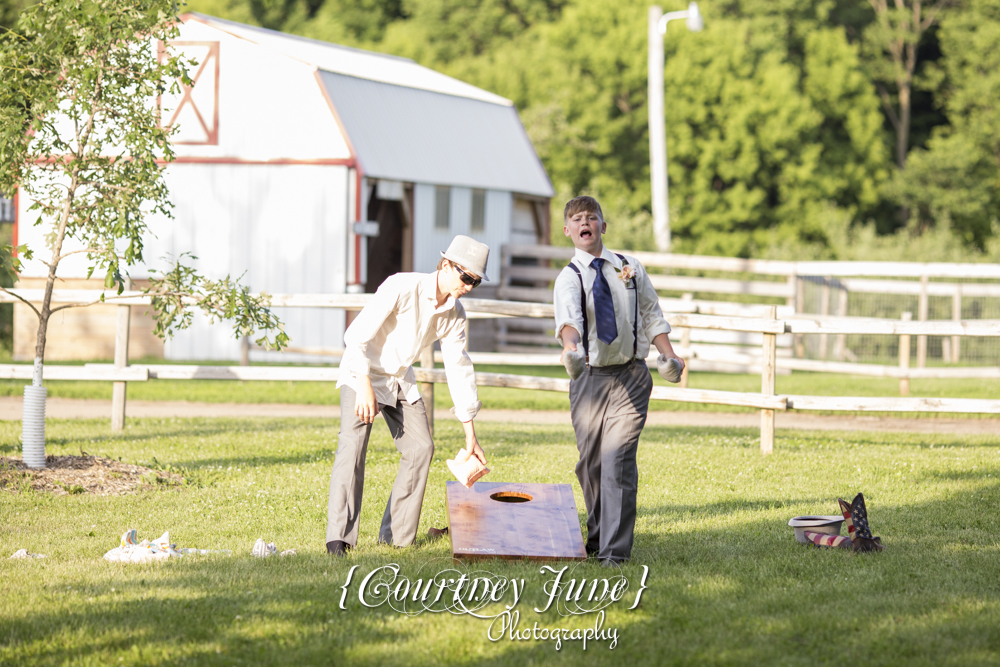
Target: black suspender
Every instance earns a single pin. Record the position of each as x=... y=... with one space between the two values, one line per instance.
x=583 y=310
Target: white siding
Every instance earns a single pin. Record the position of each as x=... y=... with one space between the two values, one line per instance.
x=270 y=106
x=461 y=212
x=523 y=229
x=283 y=226
x=428 y=242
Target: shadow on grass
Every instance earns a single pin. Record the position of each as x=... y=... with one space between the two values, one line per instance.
x=742 y=594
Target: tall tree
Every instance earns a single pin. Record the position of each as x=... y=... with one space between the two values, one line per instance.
x=892 y=40
x=955 y=181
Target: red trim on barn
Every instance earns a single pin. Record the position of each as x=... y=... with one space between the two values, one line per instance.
x=13 y=229
x=359 y=174
x=211 y=133
x=357 y=237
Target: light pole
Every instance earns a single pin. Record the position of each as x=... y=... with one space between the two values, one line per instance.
x=657 y=124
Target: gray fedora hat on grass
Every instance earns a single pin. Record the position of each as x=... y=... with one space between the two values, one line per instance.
x=468 y=253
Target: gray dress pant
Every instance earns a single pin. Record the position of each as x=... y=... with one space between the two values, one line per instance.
x=408 y=427
x=608 y=406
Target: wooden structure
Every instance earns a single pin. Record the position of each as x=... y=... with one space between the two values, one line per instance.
x=767 y=362
x=526 y=275
x=514 y=521
x=80 y=333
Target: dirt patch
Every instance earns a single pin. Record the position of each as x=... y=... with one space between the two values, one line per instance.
x=67 y=475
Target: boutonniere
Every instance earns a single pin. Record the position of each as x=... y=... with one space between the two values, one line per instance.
x=626 y=273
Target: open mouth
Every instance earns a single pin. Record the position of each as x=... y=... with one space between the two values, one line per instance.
x=586 y=234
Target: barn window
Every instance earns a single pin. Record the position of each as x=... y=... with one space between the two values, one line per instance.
x=478 y=210
x=442 y=206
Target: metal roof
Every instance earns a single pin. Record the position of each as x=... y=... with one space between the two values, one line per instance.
x=415 y=135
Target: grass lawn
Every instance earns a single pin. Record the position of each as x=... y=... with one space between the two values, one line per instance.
x=497 y=398
x=728 y=584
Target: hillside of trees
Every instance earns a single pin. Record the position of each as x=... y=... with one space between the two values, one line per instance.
x=842 y=129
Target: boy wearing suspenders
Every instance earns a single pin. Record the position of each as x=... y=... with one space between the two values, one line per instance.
x=605 y=304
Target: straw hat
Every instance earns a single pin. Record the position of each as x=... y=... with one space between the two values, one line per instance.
x=468 y=253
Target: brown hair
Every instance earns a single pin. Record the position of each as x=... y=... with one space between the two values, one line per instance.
x=583 y=203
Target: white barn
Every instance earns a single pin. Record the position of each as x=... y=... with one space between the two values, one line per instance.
x=293 y=153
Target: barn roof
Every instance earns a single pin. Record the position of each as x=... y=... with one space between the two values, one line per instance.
x=407 y=122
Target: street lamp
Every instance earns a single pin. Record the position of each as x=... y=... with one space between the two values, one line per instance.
x=657 y=124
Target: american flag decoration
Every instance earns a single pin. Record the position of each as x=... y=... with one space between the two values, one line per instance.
x=856 y=516
x=825 y=540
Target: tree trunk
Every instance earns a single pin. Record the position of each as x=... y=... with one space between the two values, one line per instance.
x=903 y=129
x=50 y=281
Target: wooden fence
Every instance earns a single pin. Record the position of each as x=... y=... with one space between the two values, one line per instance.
x=525 y=275
x=767 y=326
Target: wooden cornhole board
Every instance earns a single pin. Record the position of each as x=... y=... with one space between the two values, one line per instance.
x=546 y=527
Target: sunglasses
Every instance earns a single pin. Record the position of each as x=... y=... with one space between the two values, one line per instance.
x=467 y=278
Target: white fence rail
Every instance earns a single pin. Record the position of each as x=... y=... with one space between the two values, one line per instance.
x=764 y=325
x=524 y=282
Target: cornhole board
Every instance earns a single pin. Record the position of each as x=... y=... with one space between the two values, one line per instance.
x=514 y=521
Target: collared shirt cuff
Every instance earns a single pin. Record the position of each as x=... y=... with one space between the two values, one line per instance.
x=562 y=326
x=467 y=412
x=657 y=328
x=361 y=366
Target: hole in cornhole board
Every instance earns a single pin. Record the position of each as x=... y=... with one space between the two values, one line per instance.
x=511 y=497
x=514 y=521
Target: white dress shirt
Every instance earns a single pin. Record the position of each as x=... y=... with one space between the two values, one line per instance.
x=568 y=314
x=386 y=338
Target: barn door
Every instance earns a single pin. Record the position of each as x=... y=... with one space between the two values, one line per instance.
x=385 y=251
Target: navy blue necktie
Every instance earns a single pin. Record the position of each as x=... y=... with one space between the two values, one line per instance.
x=604 y=306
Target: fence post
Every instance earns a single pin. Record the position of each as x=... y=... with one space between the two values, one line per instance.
x=840 y=344
x=956 y=314
x=500 y=324
x=824 y=309
x=427 y=388
x=904 y=357
x=245 y=351
x=121 y=361
x=686 y=344
x=922 y=316
x=800 y=306
x=767 y=372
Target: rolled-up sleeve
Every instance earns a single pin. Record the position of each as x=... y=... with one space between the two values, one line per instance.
x=459 y=369
x=566 y=300
x=653 y=322
x=365 y=328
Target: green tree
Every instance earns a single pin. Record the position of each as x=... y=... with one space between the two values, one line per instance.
x=955 y=181
x=80 y=137
x=892 y=42
x=766 y=127
x=9 y=11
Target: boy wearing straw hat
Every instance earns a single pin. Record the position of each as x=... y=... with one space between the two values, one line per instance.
x=408 y=312
x=606 y=305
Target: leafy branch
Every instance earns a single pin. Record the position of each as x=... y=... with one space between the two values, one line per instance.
x=182 y=289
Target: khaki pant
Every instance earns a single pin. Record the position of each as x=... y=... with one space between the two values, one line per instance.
x=408 y=427
x=608 y=406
